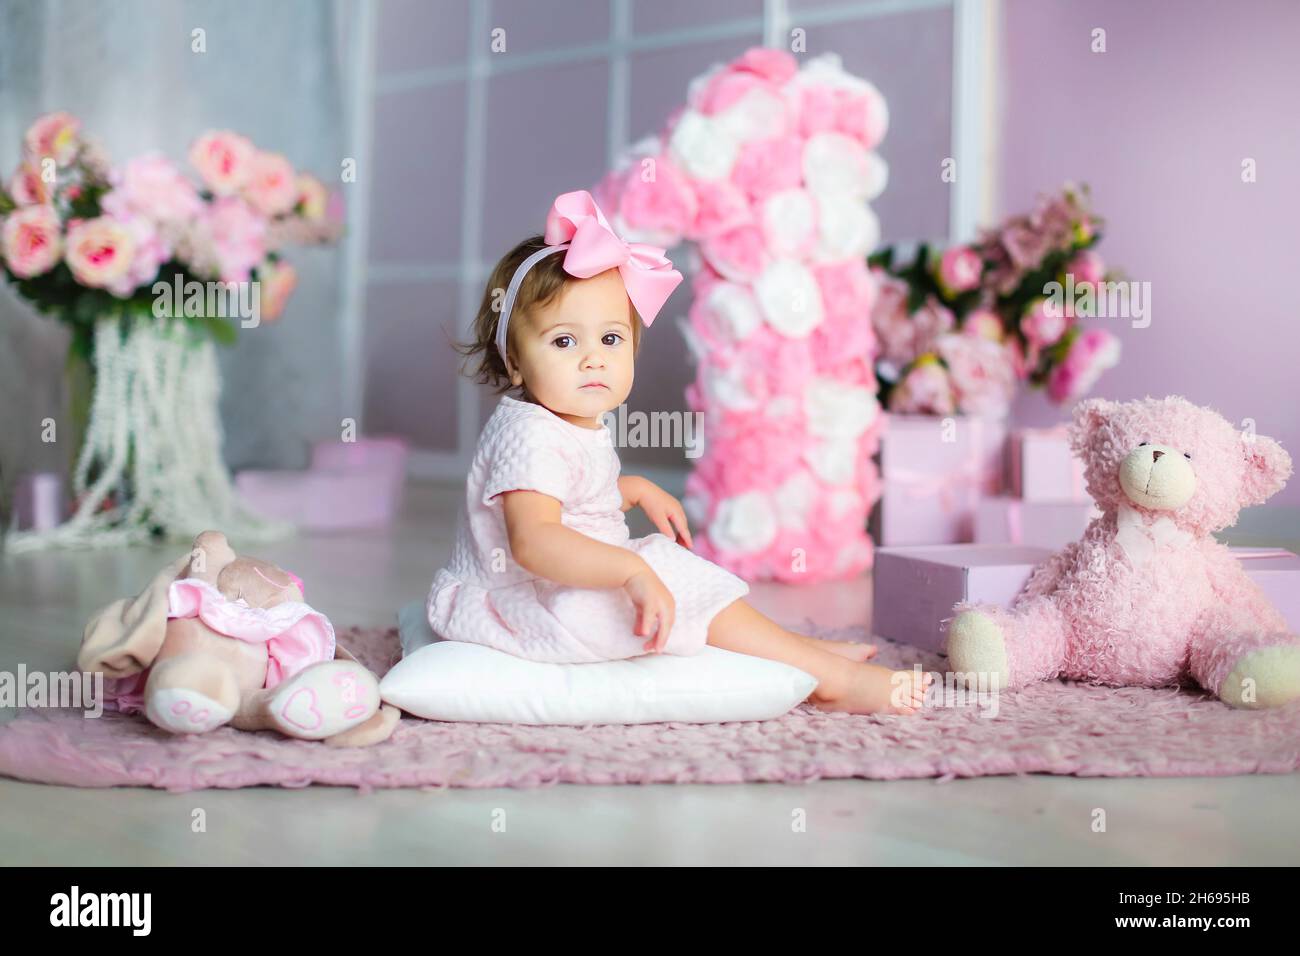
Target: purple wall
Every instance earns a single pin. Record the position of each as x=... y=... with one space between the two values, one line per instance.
x=1158 y=125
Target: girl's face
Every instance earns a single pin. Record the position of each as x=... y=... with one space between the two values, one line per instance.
x=575 y=354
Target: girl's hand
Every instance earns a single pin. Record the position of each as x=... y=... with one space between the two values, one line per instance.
x=654 y=602
x=666 y=513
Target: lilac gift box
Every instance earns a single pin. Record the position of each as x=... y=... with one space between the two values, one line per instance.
x=1042 y=524
x=1043 y=468
x=349 y=485
x=935 y=470
x=915 y=588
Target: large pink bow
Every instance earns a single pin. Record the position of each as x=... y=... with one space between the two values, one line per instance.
x=648 y=275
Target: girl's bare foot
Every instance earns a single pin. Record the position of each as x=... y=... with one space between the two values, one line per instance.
x=848 y=649
x=872 y=689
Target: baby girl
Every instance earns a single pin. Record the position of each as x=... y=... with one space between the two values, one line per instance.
x=543 y=566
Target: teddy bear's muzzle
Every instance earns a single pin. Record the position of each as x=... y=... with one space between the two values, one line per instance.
x=1157 y=477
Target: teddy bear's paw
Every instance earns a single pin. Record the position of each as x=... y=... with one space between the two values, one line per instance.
x=325 y=699
x=976 y=649
x=1268 y=677
x=184 y=711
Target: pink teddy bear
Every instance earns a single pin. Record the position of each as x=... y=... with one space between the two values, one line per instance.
x=1148 y=597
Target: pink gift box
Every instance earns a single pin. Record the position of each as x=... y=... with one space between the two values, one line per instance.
x=38 y=501
x=1043 y=468
x=349 y=485
x=915 y=588
x=1277 y=572
x=1042 y=524
x=935 y=470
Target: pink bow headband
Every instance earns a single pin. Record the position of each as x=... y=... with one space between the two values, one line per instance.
x=576 y=223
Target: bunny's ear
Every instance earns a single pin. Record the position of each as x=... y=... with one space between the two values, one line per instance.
x=1089 y=416
x=1268 y=466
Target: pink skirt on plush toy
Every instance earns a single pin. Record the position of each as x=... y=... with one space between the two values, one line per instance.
x=295 y=634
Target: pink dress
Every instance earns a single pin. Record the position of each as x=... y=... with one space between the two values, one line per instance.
x=484 y=597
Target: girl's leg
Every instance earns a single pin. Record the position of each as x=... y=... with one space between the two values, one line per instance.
x=842 y=684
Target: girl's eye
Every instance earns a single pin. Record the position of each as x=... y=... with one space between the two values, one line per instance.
x=612 y=335
x=558 y=339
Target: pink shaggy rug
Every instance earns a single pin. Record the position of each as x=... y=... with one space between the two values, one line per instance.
x=1055 y=727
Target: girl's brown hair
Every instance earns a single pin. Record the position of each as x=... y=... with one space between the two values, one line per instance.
x=541 y=285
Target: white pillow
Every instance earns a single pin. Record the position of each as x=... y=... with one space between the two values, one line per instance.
x=456 y=680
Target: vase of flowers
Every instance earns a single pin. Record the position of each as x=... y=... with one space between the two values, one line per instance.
x=960 y=328
x=149 y=270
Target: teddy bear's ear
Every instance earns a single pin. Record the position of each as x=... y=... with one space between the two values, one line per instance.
x=1268 y=466
x=1088 y=417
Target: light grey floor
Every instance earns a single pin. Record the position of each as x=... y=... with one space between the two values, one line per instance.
x=360 y=578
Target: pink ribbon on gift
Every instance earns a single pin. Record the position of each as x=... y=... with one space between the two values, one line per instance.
x=974 y=475
x=1015 y=522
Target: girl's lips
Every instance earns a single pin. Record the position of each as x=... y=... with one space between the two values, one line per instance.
x=595 y=385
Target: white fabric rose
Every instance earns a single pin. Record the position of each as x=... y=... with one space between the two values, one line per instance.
x=701 y=147
x=789 y=298
x=726 y=386
x=789 y=223
x=735 y=312
x=833 y=461
x=846 y=229
x=794 y=500
x=837 y=410
x=836 y=164
x=759 y=114
x=744 y=524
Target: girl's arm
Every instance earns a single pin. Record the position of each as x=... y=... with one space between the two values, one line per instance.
x=549 y=549
x=664 y=511
x=632 y=487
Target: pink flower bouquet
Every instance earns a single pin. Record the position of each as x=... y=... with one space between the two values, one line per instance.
x=85 y=240
x=961 y=328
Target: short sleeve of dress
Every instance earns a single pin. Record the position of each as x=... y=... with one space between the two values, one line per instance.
x=529 y=456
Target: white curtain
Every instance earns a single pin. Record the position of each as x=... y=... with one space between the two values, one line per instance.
x=273 y=71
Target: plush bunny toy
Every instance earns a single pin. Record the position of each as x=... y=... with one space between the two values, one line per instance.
x=1148 y=597
x=217 y=638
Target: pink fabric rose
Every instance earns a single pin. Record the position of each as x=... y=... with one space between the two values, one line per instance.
x=774 y=65
x=52 y=136
x=1043 y=324
x=767 y=166
x=924 y=390
x=982 y=375
x=31 y=241
x=983 y=323
x=738 y=254
x=152 y=186
x=148 y=253
x=849 y=296
x=1087 y=266
x=721 y=207
x=663 y=207
x=227 y=240
x=26 y=187
x=99 y=251
x=272 y=184
x=959 y=269
x=223 y=160
x=891 y=321
x=1091 y=353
